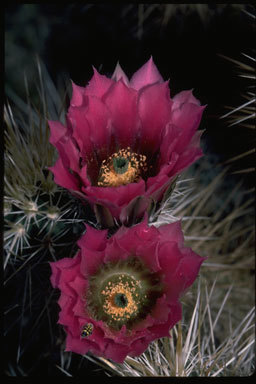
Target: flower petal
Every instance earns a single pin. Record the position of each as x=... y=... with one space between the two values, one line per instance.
x=63 y=177
x=93 y=239
x=187 y=117
x=116 y=352
x=57 y=131
x=98 y=117
x=192 y=153
x=77 y=345
x=115 y=199
x=57 y=266
x=149 y=254
x=156 y=185
x=81 y=130
x=114 y=251
x=84 y=176
x=147 y=74
x=66 y=314
x=69 y=153
x=98 y=85
x=77 y=95
x=169 y=139
x=172 y=232
x=184 y=97
x=180 y=266
x=175 y=315
x=154 y=105
x=91 y=261
x=119 y=74
x=122 y=103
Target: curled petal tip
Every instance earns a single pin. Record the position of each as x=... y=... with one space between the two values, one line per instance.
x=147 y=74
x=119 y=74
x=77 y=95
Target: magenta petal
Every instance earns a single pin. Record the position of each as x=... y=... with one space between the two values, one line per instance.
x=69 y=153
x=79 y=285
x=59 y=267
x=81 y=130
x=174 y=315
x=129 y=191
x=116 y=352
x=77 y=95
x=55 y=276
x=147 y=74
x=187 y=117
x=169 y=256
x=154 y=107
x=57 y=131
x=66 y=315
x=122 y=103
x=66 y=277
x=137 y=206
x=184 y=97
x=98 y=85
x=115 y=198
x=169 y=140
x=149 y=254
x=181 y=267
x=139 y=346
x=156 y=182
x=98 y=117
x=187 y=158
x=92 y=243
x=172 y=232
x=63 y=177
x=91 y=260
x=161 y=310
x=140 y=240
x=140 y=231
x=114 y=251
x=119 y=74
x=76 y=345
x=189 y=267
x=84 y=176
x=93 y=239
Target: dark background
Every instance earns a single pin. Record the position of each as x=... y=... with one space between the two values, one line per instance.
x=185 y=42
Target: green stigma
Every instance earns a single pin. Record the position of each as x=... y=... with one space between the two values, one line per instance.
x=120 y=164
x=120 y=300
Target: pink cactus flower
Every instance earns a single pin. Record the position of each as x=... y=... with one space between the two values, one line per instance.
x=125 y=141
x=121 y=293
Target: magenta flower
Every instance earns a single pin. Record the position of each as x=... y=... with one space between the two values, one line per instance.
x=125 y=141
x=119 y=294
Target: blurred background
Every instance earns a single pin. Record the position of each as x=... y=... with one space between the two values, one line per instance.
x=187 y=42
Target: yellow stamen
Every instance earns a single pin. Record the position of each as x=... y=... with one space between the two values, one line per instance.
x=110 y=306
x=123 y=167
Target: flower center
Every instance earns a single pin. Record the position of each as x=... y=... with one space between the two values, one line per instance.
x=122 y=292
x=120 y=300
x=121 y=168
x=120 y=164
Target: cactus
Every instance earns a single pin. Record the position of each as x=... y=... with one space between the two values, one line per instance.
x=42 y=222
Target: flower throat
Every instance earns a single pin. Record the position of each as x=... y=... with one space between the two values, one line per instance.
x=121 y=168
x=123 y=293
